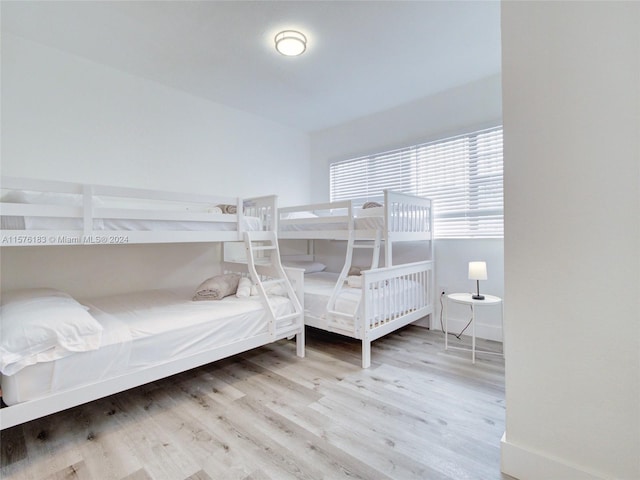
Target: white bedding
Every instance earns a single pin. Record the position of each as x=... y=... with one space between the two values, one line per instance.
x=143 y=329
x=360 y=223
x=114 y=224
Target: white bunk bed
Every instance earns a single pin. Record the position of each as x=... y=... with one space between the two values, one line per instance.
x=381 y=300
x=138 y=337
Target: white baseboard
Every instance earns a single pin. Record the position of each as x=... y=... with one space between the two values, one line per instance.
x=525 y=464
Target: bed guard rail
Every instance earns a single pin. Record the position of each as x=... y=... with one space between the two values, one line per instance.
x=389 y=295
x=407 y=213
x=333 y=219
x=43 y=212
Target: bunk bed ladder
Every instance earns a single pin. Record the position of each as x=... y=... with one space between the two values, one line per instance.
x=333 y=316
x=262 y=252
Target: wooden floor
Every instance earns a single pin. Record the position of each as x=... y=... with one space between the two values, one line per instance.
x=418 y=413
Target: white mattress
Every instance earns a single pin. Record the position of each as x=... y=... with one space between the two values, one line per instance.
x=143 y=329
x=109 y=224
x=360 y=223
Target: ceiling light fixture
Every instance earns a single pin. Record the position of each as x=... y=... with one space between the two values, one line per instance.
x=290 y=43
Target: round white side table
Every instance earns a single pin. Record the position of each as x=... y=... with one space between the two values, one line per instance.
x=466 y=299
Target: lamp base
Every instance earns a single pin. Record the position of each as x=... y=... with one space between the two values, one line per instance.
x=477 y=297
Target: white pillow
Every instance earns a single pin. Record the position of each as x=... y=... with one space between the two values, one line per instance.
x=244 y=287
x=307 y=265
x=40 y=325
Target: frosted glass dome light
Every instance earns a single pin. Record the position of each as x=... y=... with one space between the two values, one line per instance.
x=290 y=43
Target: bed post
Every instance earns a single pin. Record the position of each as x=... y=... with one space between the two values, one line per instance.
x=296 y=278
x=366 y=352
x=300 y=343
x=363 y=322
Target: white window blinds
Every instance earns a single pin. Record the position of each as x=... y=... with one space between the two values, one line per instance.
x=462 y=175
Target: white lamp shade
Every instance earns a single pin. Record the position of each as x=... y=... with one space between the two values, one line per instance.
x=477 y=270
x=290 y=43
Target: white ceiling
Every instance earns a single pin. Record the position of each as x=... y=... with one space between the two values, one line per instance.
x=362 y=56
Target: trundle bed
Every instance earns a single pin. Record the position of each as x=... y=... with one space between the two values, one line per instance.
x=374 y=301
x=59 y=351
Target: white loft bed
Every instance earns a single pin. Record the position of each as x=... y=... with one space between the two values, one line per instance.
x=144 y=336
x=382 y=299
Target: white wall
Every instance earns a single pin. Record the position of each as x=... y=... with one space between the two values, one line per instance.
x=66 y=118
x=571 y=82
x=462 y=109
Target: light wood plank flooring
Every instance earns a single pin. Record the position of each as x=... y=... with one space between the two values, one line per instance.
x=417 y=413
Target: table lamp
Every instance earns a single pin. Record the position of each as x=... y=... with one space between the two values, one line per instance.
x=477 y=272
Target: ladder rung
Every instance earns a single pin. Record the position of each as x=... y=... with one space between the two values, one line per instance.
x=260 y=248
x=364 y=246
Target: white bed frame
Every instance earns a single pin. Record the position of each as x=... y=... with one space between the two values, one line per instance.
x=264 y=207
x=407 y=218
x=184 y=207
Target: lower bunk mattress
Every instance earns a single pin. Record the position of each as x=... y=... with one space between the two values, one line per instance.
x=143 y=329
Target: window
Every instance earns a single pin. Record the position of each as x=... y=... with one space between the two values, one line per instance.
x=462 y=175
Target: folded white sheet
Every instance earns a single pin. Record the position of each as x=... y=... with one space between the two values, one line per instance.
x=218 y=287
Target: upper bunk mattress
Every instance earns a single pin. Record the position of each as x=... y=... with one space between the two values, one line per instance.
x=143 y=329
x=113 y=224
x=360 y=223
